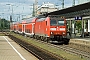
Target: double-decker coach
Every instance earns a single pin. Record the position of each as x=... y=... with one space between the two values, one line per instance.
x=29 y=26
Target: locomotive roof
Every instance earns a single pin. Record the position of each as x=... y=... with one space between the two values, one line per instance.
x=56 y=17
x=40 y=16
x=41 y=19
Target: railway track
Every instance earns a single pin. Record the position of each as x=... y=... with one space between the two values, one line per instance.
x=38 y=52
x=42 y=55
x=71 y=50
x=74 y=51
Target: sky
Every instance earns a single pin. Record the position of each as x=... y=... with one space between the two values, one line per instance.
x=21 y=8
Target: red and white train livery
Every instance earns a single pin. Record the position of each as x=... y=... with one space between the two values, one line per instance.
x=50 y=28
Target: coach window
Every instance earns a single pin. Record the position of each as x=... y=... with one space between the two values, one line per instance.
x=19 y=29
x=29 y=30
x=26 y=30
x=23 y=26
x=46 y=22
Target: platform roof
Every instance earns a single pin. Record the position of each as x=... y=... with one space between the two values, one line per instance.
x=78 y=10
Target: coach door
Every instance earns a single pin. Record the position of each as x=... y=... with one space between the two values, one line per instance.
x=23 y=28
x=33 y=28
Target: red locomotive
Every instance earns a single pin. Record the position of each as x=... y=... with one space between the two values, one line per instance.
x=50 y=29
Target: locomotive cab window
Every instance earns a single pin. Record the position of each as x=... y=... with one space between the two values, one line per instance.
x=56 y=22
x=53 y=22
x=61 y=22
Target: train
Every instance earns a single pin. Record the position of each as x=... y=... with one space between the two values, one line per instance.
x=50 y=29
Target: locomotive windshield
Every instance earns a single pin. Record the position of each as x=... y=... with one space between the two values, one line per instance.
x=56 y=22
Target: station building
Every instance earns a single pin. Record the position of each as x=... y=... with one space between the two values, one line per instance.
x=46 y=8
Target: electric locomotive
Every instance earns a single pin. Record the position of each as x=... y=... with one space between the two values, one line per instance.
x=51 y=29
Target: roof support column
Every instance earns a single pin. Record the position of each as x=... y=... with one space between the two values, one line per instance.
x=73 y=29
x=82 y=28
x=70 y=29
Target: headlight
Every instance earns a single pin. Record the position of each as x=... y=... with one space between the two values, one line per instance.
x=63 y=33
x=62 y=29
x=51 y=32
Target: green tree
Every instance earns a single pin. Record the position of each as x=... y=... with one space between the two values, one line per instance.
x=78 y=25
x=4 y=24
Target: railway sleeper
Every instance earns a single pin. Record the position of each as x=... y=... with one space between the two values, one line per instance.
x=44 y=55
x=80 y=47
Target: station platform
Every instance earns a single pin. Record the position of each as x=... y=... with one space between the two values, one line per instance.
x=9 y=50
x=84 y=41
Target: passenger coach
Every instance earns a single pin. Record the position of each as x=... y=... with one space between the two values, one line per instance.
x=51 y=28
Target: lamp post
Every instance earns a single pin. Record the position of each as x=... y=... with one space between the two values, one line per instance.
x=3 y=20
x=0 y=21
x=3 y=15
x=73 y=3
x=35 y=7
x=11 y=14
x=18 y=18
x=62 y=3
x=31 y=7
